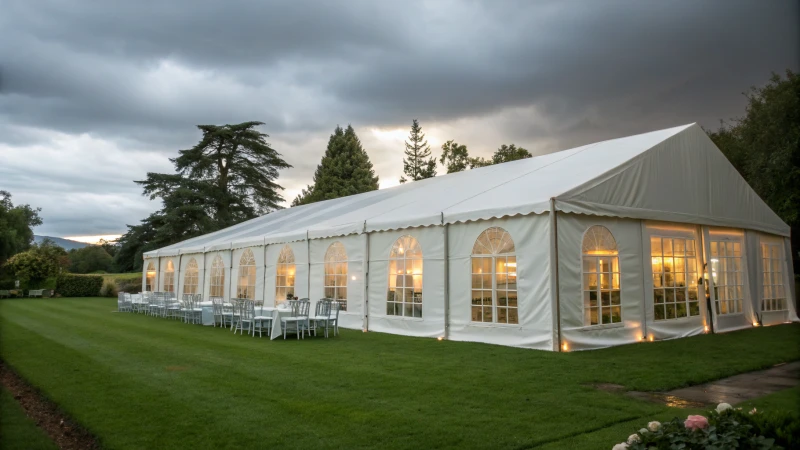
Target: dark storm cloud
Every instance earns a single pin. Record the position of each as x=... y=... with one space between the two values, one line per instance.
x=118 y=86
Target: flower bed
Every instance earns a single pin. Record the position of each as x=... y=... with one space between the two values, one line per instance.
x=723 y=428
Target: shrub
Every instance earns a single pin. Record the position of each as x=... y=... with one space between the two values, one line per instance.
x=79 y=285
x=109 y=289
x=723 y=428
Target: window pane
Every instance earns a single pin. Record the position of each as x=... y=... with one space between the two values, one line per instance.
x=655 y=245
x=512 y=315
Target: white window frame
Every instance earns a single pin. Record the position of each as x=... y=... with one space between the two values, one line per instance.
x=596 y=258
x=773 y=292
x=169 y=277
x=246 y=282
x=336 y=258
x=190 y=278
x=150 y=277
x=734 y=293
x=217 y=284
x=410 y=298
x=285 y=269
x=690 y=280
x=494 y=253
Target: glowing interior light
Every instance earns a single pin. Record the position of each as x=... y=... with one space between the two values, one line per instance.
x=641 y=338
x=364 y=330
x=705 y=328
x=714 y=260
x=440 y=338
x=651 y=338
x=512 y=264
x=755 y=324
x=400 y=250
x=353 y=277
x=565 y=347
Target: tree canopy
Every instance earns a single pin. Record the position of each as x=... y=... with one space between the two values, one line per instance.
x=455 y=157
x=228 y=177
x=764 y=146
x=90 y=259
x=345 y=170
x=417 y=163
x=16 y=226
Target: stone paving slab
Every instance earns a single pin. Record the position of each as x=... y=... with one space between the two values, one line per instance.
x=733 y=390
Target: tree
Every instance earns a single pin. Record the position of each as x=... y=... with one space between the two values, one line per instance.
x=228 y=177
x=16 y=223
x=418 y=163
x=38 y=263
x=345 y=170
x=90 y=259
x=764 y=146
x=508 y=153
x=455 y=157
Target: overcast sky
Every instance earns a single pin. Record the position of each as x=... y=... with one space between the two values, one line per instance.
x=95 y=94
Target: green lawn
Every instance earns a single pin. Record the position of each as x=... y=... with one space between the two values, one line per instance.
x=17 y=431
x=141 y=382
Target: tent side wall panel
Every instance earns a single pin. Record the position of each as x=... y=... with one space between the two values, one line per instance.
x=301 y=271
x=354 y=246
x=575 y=333
x=431 y=242
x=532 y=245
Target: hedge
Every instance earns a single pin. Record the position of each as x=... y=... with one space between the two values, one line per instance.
x=79 y=285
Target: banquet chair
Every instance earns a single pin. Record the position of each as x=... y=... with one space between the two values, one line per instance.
x=259 y=322
x=197 y=308
x=299 y=318
x=246 y=316
x=334 y=316
x=322 y=316
x=216 y=310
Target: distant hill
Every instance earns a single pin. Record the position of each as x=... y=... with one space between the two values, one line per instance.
x=66 y=244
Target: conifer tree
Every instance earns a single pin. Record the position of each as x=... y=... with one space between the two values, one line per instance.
x=345 y=170
x=418 y=163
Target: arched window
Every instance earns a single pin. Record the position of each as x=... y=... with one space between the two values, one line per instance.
x=246 y=287
x=601 y=298
x=405 y=279
x=336 y=274
x=217 y=278
x=190 y=278
x=494 y=278
x=150 y=277
x=284 y=275
x=169 y=277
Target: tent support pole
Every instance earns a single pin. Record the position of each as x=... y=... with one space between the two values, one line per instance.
x=158 y=274
x=203 y=282
x=644 y=235
x=365 y=274
x=230 y=278
x=308 y=259
x=177 y=286
x=446 y=279
x=711 y=297
x=554 y=291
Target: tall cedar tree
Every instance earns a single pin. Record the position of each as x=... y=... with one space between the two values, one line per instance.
x=418 y=163
x=764 y=146
x=228 y=177
x=455 y=157
x=505 y=153
x=345 y=170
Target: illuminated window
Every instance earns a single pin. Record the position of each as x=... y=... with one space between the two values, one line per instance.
x=190 y=278
x=169 y=277
x=217 y=278
x=674 y=262
x=774 y=295
x=336 y=274
x=726 y=269
x=150 y=278
x=494 y=278
x=246 y=286
x=284 y=275
x=601 y=295
x=405 y=279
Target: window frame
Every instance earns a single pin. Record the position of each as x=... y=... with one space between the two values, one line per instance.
x=596 y=259
x=169 y=277
x=286 y=261
x=149 y=273
x=690 y=277
x=336 y=249
x=768 y=274
x=714 y=269
x=216 y=286
x=191 y=274
x=402 y=247
x=246 y=276
x=494 y=255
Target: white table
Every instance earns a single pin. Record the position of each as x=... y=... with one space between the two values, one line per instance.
x=269 y=311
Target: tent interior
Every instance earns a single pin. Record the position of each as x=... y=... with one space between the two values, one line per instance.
x=605 y=244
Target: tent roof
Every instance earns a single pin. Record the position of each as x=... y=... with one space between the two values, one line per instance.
x=676 y=174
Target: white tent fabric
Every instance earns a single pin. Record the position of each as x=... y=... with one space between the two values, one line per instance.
x=675 y=174
x=673 y=179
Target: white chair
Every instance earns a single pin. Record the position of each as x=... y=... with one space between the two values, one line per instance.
x=197 y=308
x=299 y=318
x=242 y=313
x=173 y=308
x=322 y=316
x=259 y=322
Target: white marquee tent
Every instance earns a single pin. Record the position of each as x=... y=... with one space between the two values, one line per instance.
x=590 y=247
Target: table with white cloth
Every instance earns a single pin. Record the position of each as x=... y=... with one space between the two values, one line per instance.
x=268 y=311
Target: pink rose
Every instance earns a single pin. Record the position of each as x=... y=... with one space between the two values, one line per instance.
x=696 y=422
